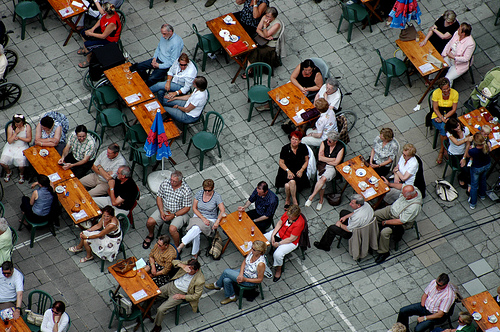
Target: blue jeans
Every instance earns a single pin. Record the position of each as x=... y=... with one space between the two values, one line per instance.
x=439 y=127
x=412 y=310
x=226 y=281
x=478 y=183
x=176 y=113
x=159 y=89
x=157 y=74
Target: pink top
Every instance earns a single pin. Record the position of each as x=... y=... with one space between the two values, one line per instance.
x=463 y=51
x=439 y=299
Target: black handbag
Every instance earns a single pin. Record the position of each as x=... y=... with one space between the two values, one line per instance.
x=261 y=41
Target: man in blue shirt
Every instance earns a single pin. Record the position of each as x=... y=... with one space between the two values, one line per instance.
x=169 y=49
x=266 y=203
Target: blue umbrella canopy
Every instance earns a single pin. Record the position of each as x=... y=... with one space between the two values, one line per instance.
x=157 y=142
x=403 y=12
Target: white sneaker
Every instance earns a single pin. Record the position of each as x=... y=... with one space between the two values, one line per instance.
x=308 y=203
x=319 y=206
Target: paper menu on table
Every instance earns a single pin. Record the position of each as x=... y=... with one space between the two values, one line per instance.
x=369 y=192
x=66 y=11
x=132 y=98
x=493 y=329
x=139 y=295
x=79 y=215
x=153 y=106
x=426 y=67
x=493 y=142
x=77 y=4
x=298 y=119
x=54 y=177
x=139 y=264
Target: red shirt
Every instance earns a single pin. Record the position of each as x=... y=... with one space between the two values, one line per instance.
x=288 y=230
x=115 y=35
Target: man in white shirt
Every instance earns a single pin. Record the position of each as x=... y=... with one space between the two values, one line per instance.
x=11 y=288
x=187 y=108
x=361 y=216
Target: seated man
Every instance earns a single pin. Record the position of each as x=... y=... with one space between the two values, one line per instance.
x=266 y=203
x=187 y=285
x=396 y=218
x=361 y=216
x=174 y=200
x=104 y=170
x=122 y=192
x=187 y=108
x=168 y=51
x=180 y=77
x=80 y=152
x=11 y=288
x=436 y=301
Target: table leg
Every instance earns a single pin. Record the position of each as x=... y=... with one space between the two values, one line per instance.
x=276 y=115
x=380 y=199
x=225 y=246
x=73 y=27
x=145 y=312
x=242 y=66
x=372 y=12
x=431 y=85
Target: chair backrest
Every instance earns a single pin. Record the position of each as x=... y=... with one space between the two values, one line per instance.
x=384 y=63
x=138 y=154
x=364 y=238
x=123 y=19
x=419 y=177
x=98 y=140
x=304 y=242
x=323 y=68
x=218 y=124
x=429 y=99
x=39 y=301
x=258 y=73
x=7 y=127
x=395 y=161
x=2 y=209
x=349 y=13
x=118 y=310
x=201 y=38
x=14 y=236
x=135 y=133
x=124 y=223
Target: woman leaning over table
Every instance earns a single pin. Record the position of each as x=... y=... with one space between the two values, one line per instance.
x=460 y=138
x=481 y=163
x=104 y=238
x=307 y=77
x=208 y=211
x=18 y=139
x=55 y=319
x=50 y=133
x=285 y=237
x=442 y=30
x=250 y=14
x=38 y=206
x=159 y=264
x=251 y=272
x=458 y=52
x=384 y=151
x=444 y=105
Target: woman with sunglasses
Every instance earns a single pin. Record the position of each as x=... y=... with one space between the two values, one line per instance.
x=208 y=211
x=159 y=264
x=18 y=139
x=55 y=319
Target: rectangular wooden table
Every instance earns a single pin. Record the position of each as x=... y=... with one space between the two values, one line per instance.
x=354 y=180
x=133 y=283
x=67 y=17
x=372 y=11
x=239 y=232
x=16 y=325
x=475 y=303
x=147 y=116
x=77 y=194
x=296 y=102
x=127 y=88
x=417 y=56
x=218 y=24
x=476 y=118
x=47 y=165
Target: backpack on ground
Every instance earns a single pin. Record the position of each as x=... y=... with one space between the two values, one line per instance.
x=446 y=191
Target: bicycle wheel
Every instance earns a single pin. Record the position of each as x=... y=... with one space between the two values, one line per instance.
x=351 y=118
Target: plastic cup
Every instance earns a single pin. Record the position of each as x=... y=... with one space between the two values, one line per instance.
x=240 y=215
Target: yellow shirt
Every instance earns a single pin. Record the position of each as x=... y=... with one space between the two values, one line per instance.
x=437 y=95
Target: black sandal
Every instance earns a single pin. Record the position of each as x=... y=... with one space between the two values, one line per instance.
x=146 y=244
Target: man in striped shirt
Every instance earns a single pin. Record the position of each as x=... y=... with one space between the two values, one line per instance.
x=436 y=301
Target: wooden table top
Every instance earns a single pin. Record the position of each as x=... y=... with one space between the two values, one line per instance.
x=296 y=99
x=119 y=80
x=147 y=117
x=239 y=231
x=61 y=4
x=476 y=118
x=17 y=325
x=47 y=165
x=485 y=309
x=76 y=195
x=355 y=163
x=218 y=24
x=131 y=282
x=417 y=54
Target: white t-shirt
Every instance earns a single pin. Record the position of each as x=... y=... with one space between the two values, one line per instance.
x=198 y=99
x=183 y=282
x=10 y=286
x=48 y=322
x=457 y=150
x=326 y=122
x=411 y=166
x=333 y=99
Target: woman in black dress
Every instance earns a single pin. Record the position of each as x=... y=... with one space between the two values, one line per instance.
x=307 y=77
x=294 y=158
x=442 y=30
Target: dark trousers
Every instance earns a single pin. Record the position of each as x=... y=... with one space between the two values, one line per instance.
x=382 y=171
x=81 y=170
x=416 y=309
x=156 y=76
x=332 y=231
x=262 y=225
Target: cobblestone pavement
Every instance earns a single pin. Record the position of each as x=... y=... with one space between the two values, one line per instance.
x=326 y=291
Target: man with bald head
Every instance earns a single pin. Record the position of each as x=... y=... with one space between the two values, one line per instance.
x=397 y=217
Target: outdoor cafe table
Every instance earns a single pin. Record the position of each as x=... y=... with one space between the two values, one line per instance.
x=48 y=165
x=16 y=325
x=67 y=10
x=218 y=24
x=485 y=309
x=354 y=180
x=77 y=201
x=297 y=102
x=239 y=232
x=138 y=286
x=133 y=91
x=477 y=118
x=417 y=56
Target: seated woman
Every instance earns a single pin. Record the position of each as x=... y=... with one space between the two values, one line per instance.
x=179 y=79
x=5 y=240
x=464 y=324
x=251 y=272
x=251 y=13
x=187 y=108
x=284 y=238
x=458 y=52
x=460 y=138
x=106 y=30
x=269 y=28
x=404 y=173
x=442 y=30
x=307 y=77
x=38 y=206
x=95 y=11
x=331 y=153
x=104 y=238
x=444 y=105
x=292 y=170
x=331 y=92
x=55 y=319
x=208 y=211
x=159 y=264
x=18 y=140
x=384 y=152
x=50 y=133
x=325 y=123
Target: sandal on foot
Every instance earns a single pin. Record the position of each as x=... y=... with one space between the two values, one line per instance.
x=147 y=244
x=85 y=259
x=7 y=177
x=75 y=249
x=84 y=64
x=21 y=179
x=244 y=76
x=82 y=51
x=439 y=159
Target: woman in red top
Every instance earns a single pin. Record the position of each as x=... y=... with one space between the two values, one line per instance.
x=106 y=30
x=285 y=237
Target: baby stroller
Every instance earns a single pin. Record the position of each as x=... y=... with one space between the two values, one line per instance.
x=487 y=93
x=9 y=92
